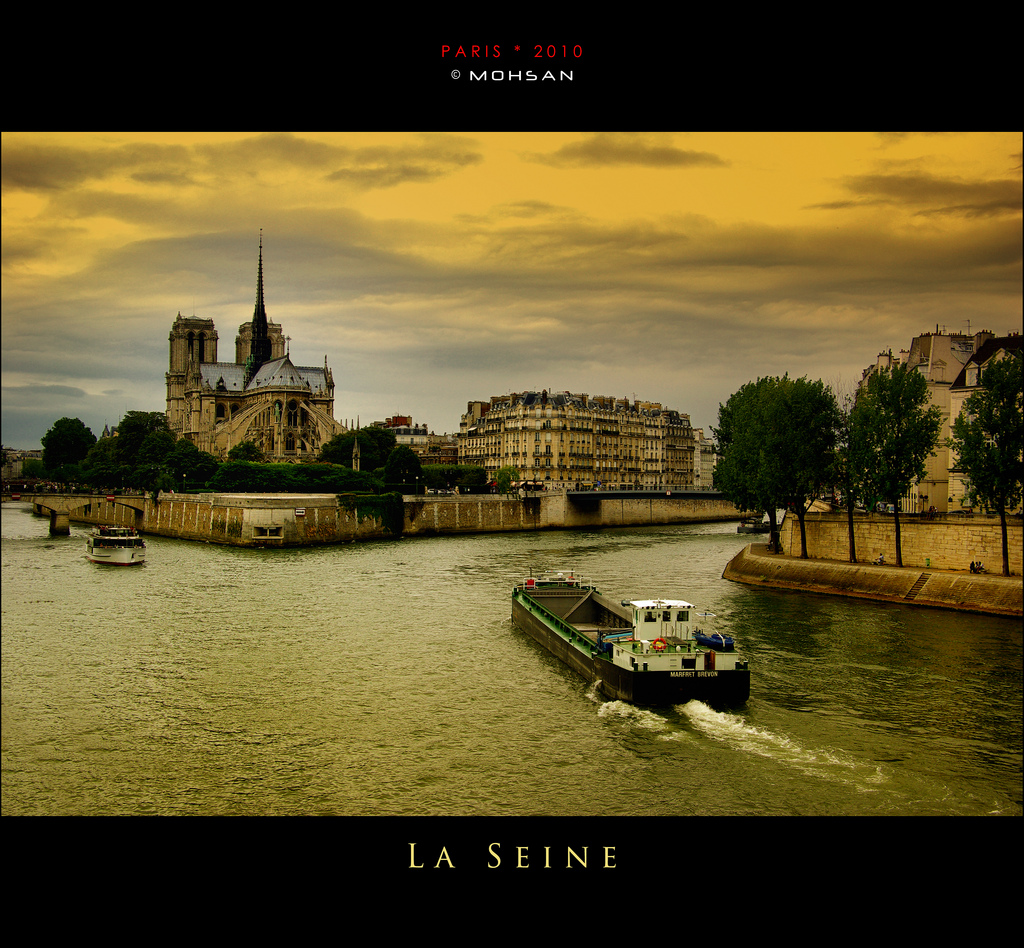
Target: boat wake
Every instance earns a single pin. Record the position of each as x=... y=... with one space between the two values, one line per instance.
x=822 y=763
x=631 y=714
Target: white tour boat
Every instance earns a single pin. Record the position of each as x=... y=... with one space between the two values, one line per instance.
x=119 y=546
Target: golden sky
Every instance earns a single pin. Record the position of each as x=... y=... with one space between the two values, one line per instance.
x=437 y=268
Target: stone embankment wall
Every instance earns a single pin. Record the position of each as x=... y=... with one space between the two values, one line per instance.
x=556 y=510
x=311 y=519
x=966 y=591
x=474 y=514
x=245 y=519
x=936 y=544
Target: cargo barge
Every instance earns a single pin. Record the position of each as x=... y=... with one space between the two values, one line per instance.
x=645 y=651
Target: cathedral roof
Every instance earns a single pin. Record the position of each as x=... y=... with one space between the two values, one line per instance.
x=278 y=373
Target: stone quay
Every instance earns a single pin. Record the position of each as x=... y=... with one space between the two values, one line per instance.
x=267 y=520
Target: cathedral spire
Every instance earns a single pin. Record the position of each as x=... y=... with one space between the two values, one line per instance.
x=260 y=347
x=259 y=282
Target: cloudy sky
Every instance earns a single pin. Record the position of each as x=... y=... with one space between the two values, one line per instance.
x=432 y=269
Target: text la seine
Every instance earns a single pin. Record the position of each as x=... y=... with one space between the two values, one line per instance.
x=572 y=858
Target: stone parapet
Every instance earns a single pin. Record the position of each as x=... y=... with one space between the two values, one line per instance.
x=937 y=544
x=946 y=589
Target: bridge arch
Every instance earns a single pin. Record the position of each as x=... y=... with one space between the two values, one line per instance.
x=59 y=507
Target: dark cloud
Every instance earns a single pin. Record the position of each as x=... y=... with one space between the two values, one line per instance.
x=604 y=149
x=930 y=194
x=38 y=165
x=32 y=394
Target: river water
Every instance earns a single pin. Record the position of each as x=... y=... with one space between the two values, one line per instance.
x=386 y=679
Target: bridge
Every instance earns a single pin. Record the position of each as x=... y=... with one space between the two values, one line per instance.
x=60 y=506
x=591 y=500
x=659 y=493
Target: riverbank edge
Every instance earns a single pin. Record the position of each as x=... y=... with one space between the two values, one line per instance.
x=941 y=589
x=302 y=520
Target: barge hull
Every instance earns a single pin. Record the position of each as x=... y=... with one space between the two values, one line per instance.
x=714 y=688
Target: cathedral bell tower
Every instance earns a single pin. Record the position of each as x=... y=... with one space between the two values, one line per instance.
x=193 y=343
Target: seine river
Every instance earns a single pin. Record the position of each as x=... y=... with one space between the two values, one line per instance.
x=386 y=679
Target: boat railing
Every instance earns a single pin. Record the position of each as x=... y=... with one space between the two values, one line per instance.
x=555 y=581
x=573 y=634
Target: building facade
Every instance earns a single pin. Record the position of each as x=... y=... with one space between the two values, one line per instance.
x=940 y=357
x=705 y=456
x=579 y=441
x=964 y=385
x=430 y=448
x=286 y=410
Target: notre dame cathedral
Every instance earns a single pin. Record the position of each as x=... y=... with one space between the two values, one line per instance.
x=287 y=410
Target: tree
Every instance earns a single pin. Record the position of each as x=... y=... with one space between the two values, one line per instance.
x=776 y=438
x=851 y=463
x=899 y=433
x=103 y=467
x=133 y=430
x=807 y=429
x=155 y=447
x=375 y=444
x=402 y=467
x=987 y=438
x=246 y=451
x=33 y=468
x=189 y=465
x=67 y=442
x=505 y=476
x=739 y=472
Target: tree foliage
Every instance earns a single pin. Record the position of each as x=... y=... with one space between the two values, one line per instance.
x=133 y=430
x=375 y=445
x=249 y=477
x=246 y=451
x=987 y=438
x=189 y=466
x=33 y=468
x=67 y=442
x=852 y=461
x=776 y=440
x=154 y=448
x=447 y=476
x=402 y=468
x=899 y=432
x=103 y=467
x=504 y=478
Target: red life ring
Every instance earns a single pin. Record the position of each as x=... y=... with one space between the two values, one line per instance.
x=659 y=647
